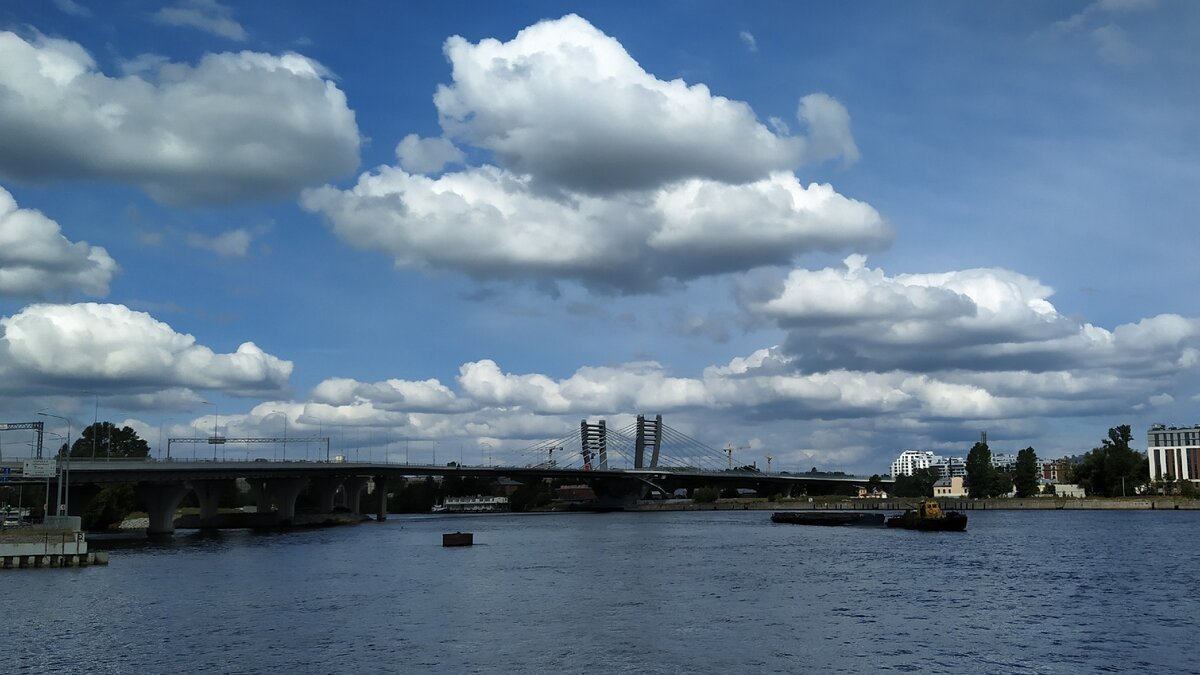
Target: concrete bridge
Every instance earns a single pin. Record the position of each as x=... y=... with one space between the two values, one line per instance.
x=275 y=485
x=620 y=465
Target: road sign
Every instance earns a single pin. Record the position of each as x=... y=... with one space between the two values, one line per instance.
x=3 y=426
x=38 y=468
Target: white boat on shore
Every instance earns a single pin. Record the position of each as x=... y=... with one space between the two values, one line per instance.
x=472 y=504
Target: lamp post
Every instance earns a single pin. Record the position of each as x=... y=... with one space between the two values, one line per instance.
x=64 y=495
x=277 y=412
x=160 y=438
x=213 y=440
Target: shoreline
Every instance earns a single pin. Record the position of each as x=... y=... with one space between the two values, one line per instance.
x=999 y=504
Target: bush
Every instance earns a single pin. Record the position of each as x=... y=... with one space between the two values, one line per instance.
x=705 y=495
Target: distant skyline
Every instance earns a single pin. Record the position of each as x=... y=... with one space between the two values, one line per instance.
x=826 y=233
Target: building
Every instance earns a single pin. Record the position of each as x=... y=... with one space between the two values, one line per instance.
x=1004 y=462
x=1069 y=490
x=1174 y=452
x=950 y=488
x=1055 y=470
x=952 y=467
x=911 y=460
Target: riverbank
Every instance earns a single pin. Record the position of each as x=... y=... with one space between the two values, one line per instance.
x=1012 y=504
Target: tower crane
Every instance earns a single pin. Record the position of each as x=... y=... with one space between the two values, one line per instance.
x=729 y=448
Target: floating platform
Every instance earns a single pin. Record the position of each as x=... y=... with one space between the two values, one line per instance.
x=828 y=519
x=458 y=539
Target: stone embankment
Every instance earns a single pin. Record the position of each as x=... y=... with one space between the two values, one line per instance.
x=1032 y=504
x=55 y=544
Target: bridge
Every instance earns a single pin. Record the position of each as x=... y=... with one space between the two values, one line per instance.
x=621 y=466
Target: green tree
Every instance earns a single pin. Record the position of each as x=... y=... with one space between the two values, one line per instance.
x=919 y=484
x=874 y=484
x=110 y=506
x=1026 y=479
x=981 y=475
x=1114 y=468
x=105 y=440
x=705 y=495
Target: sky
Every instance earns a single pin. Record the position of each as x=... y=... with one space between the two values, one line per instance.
x=825 y=232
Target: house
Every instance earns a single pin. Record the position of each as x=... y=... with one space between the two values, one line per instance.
x=950 y=488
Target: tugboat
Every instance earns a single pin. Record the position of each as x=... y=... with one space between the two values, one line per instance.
x=929 y=516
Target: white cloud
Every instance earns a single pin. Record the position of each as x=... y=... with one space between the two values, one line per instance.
x=233 y=127
x=1113 y=45
x=829 y=128
x=49 y=347
x=427 y=155
x=37 y=261
x=566 y=104
x=747 y=39
x=73 y=8
x=980 y=319
x=487 y=222
x=232 y=244
x=209 y=16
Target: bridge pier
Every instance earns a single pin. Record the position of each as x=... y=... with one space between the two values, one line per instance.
x=354 y=488
x=283 y=493
x=162 y=500
x=327 y=489
x=208 y=494
x=262 y=497
x=381 y=490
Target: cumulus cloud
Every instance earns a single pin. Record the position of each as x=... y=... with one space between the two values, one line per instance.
x=427 y=155
x=233 y=127
x=232 y=244
x=37 y=261
x=604 y=174
x=979 y=319
x=566 y=104
x=489 y=223
x=48 y=347
x=209 y=16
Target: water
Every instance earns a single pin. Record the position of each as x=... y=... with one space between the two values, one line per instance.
x=698 y=592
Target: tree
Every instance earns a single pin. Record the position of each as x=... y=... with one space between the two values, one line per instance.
x=1026 y=476
x=919 y=484
x=981 y=475
x=705 y=495
x=1114 y=468
x=874 y=484
x=105 y=440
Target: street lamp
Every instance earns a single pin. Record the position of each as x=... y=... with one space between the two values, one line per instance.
x=160 y=438
x=213 y=440
x=277 y=412
x=64 y=495
x=319 y=433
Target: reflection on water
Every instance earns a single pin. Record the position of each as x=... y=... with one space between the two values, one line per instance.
x=730 y=592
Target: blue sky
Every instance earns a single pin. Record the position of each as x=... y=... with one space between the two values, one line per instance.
x=827 y=233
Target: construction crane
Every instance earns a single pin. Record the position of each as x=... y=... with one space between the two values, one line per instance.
x=769 y=458
x=729 y=448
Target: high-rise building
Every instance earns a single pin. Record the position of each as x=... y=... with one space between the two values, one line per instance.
x=1174 y=452
x=911 y=460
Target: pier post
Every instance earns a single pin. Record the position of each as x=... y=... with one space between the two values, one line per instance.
x=327 y=491
x=283 y=492
x=162 y=500
x=354 y=489
x=208 y=494
x=381 y=490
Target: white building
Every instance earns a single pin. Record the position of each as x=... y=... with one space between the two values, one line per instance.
x=1174 y=452
x=911 y=460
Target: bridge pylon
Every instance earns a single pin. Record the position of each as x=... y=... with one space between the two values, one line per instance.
x=647 y=435
x=593 y=442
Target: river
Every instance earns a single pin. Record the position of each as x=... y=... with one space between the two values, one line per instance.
x=681 y=592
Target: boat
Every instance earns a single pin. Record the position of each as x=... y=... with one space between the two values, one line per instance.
x=929 y=516
x=826 y=518
x=472 y=504
x=458 y=539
